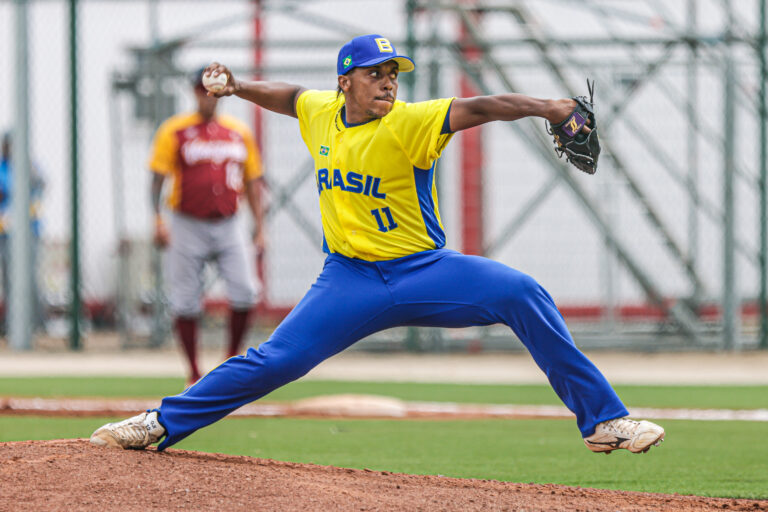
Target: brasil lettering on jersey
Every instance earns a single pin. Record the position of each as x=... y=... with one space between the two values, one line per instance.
x=354 y=183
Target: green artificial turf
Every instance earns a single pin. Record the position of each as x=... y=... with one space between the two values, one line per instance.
x=707 y=458
x=726 y=397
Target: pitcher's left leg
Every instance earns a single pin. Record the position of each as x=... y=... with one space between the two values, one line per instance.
x=470 y=290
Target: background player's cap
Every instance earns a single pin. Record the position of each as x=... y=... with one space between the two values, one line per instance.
x=196 y=76
x=364 y=51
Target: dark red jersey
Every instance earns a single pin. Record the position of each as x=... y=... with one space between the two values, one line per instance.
x=209 y=163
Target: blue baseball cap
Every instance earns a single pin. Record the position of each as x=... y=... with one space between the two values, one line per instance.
x=365 y=51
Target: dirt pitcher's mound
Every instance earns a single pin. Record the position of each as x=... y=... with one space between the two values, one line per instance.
x=72 y=475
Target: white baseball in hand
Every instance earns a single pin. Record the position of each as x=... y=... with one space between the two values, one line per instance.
x=214 y=83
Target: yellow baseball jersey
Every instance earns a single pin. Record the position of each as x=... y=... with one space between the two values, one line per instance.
x=376 y=180
x=208 y=161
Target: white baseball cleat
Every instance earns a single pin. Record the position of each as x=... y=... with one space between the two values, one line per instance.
x=635 y=436
x=134 y=433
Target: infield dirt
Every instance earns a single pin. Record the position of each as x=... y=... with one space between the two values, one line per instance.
x=73 y=475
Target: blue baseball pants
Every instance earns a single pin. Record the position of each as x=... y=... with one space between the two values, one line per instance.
x=352 y=299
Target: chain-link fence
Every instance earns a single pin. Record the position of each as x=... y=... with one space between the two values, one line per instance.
x=660 y=249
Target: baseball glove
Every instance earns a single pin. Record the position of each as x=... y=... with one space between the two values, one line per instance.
x=580 y=149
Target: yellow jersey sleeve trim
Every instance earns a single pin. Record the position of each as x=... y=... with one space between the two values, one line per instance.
x=437 y=139
x=165 y=144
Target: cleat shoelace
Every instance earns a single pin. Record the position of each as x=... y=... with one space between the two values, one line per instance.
x=623 y=426
x=130 y=431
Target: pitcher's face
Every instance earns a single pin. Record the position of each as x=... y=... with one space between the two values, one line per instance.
x=370 y=92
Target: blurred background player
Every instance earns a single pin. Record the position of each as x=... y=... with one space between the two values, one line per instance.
x=212 y=159
x=37 y=185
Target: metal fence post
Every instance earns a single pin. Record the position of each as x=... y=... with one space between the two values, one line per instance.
x=74 y=333
x=20 y=303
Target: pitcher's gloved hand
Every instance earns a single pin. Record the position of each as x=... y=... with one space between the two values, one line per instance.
x=576 y=136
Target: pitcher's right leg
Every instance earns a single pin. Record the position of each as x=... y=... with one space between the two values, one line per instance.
x=348 y=301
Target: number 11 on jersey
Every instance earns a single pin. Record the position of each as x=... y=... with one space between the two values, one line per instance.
x=391 y=224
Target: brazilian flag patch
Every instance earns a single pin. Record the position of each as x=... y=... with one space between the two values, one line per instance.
x=324 y=150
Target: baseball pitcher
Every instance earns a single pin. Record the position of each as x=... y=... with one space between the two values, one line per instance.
x=386 y=265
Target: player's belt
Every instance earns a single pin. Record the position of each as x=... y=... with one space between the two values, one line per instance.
x=211 y=216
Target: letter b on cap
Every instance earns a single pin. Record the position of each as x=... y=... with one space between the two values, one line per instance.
x=384 y=45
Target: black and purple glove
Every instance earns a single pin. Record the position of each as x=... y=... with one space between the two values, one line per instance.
x=580 y=148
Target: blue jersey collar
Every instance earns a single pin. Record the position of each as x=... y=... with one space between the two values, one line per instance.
x=343 y=115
